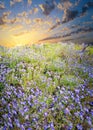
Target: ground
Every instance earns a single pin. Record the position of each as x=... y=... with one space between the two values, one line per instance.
x=46 y=87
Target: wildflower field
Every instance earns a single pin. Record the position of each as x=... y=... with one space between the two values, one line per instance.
x=46 y=87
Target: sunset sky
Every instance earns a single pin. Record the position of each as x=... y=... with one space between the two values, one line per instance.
x=35 y=21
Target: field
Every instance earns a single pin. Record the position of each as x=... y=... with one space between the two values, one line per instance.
x=46 y=87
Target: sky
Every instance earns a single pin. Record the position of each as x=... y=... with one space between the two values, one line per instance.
x=25 y=22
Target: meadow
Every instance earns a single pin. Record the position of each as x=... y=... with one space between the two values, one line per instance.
x=46 y=87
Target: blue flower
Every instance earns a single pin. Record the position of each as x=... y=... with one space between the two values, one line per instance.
x=17 y=123
x=4 y=128
x=45 y=114
x=29 y=129
x=45 y=127
x=91 y=103
x=52 y=126
x=79 y=127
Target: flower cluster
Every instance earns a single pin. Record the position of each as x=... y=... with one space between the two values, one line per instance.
x=44 y=91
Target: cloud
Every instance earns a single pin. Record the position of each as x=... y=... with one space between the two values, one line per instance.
x=29 y=2
x=11 y=21
x=65 y=29
x=86 y=7
x=34 y=11
x=1 y=21
x=77 y=2
x=64 y=4
x=4 y=17
x=13 y=2
x=16 y=27
x=69 y=15
x=38 y=20
x=60 y=6
x=82 y=30
x=23 y=14
x=15 y=20
x=6 y=14
x=47 y=7
x=54 y=26
x=27 y=21
x=2 y=6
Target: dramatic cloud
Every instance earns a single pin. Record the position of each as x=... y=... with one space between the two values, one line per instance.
x=69 y=15
x=84 y=29
x=28 y=21
x=65 y=37
x=47 y=7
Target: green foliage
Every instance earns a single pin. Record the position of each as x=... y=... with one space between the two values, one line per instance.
x=1 y=87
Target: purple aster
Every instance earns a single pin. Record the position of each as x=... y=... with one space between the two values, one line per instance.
x=70 y=126
x=26 y=109
x=91 y=112
x=67 y=111
x=22 y=127
x=91 y=103
x=3 y=101
x=79 y=127
x=45 y=114
x=77 y=91
x=52 y=126
x=23 y=103
x=21 y=111
x=4 y=128
x=29 y=129
x=45 y=127
x=17 y=123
